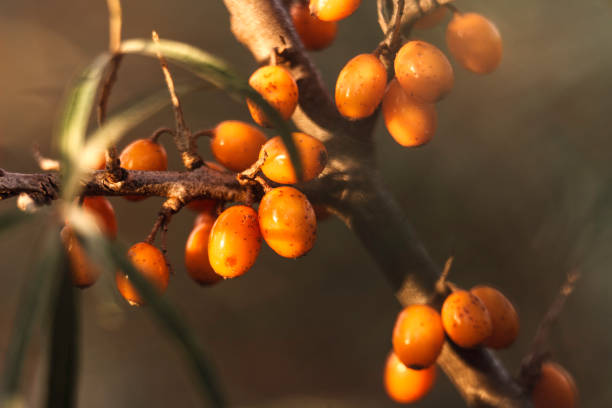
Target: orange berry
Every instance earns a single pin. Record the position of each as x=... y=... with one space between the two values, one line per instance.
x=100 y=163
x=475 y=42
x=360 y=86
x=333 y=10
x=314 y=33
x=418 y=336
x=84 y=273
x=278 y=88
x=196 y=252
x=423 y=71
x=431 y=19
x=466 y=319
x=205 y=217
x=143 y=154
x=405 y=385
x=150 y=262
x=236 y=144
x=277 y=166
x=555 y=388
x=235 y=241
x=503 y=316
x=410 y=122
x=287 y=222
x=103 y=210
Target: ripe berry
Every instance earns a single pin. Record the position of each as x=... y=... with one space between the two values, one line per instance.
x=333 y=10
x=278 y=88
x=143 y=154
x=504 y=318
x=277 y=166
x=405 y=385
x=475 y=42
x=431 y=19
x=208 y=217
x=418 y=336
x=360 y=86
x=314 y=33
x=466 y=319
x=150 y=262
x=555 y=388
x=84 y=273
x=206 y=204
x=423 y=71
x=100 y=163
x=104 y=213
x=410 y=122
x=236 y=144
x=196 y=252
x=235 y=241
x=287 y=222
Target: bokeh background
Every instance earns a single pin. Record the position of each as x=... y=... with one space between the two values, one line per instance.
x=515 y=185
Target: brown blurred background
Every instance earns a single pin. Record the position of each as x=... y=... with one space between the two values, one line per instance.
x=513 y=185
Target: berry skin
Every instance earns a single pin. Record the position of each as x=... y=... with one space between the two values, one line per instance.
x=104 y=213
x=287 y=222
x=235 y=241
x=236 y=144
x=333 y=10
x=196 y=252
x=466 y=319
x=278 y=88
x=207 y=217
x=431 y=19
x=475 y=42
x=314 y=33
x=84 y=273
x=555 y=388
x=418 y=336
x=143 y=154
x=277 y=166
x=410 y=122
x=360 y=86
x=150 y=262
x=405 y=385
x=100 y=163
x=503 y=316
x=423 y=71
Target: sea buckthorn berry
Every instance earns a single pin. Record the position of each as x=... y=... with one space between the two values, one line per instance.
x=277 y=166
x=423 y=71
x=475 y=42
x=278 y=88
x=410 y=122
x=196 y=252
x=466 y=319
x=315 y=33
x=104 y=213
x=207 y=217
x=287 y=222
x=235 y=241
x=432 y=19
x=83 y=272
x=150 y=262
x=418 y=336
x=360 y=86
x=555 y=388
x=503 y=316
x=333 y=10
x=405 y=385
x=143 y=154
x=206 y=204
x=100 y=163
x=236 y=144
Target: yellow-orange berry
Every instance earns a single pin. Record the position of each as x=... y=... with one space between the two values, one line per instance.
x=208 y=217
x=504 y=318
x=277 y=166
x=315 y=34
x=287 y=222
x=405 y=385
x=431 y=19
x=410 y=122
x=150 y=262
x=143 y=154
x=235 y=241
x=197 y=262
x=423 y=71
x=276 y=85
x=418 y=336
x=360 y=86
x=104 y=213
x=466 y=319
x=100 y=163
x=475 y=42
x=236 y=144
x=555 y=388
x=84 y=273
x=333 y=10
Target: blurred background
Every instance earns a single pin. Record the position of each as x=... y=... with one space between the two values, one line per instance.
x=515 y=185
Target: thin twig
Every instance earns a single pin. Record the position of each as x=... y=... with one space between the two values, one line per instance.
x=114 y=25
x=388 y=47
x=156 y=135
x=45 y=163
x=204 y=132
